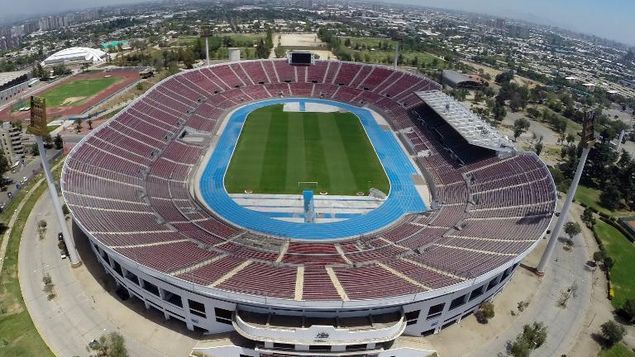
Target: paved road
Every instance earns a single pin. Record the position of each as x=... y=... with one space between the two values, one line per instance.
x=31 y=168
x=563 y=324
x=82 y=309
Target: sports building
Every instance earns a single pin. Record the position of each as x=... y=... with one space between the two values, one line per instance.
x=76 y=55
x=311 y=273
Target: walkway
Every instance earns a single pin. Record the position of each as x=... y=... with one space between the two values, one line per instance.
x=85 y=306
x=564 y=324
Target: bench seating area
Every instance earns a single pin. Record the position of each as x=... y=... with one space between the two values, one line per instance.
x=128 y=185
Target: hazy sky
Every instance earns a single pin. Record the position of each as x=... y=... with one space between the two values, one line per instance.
x=614 y=19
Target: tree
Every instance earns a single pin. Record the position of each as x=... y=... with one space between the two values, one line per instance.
x=279 y=51
x=520 y=126
x=499 y=111
x=110 y=345
x=60 y=69
x=628 y=310
x=4 y=164
x=504 y=77
x=78 y=125
x=612 y=332
x=485 y=312
x=535 y=333
x=35 y=151
x=538 y=147
x=532 y=337
x=269 y=39
x=587 y=217
x=610 y=197
x=572 y=229
x=599 y=256
x=48 y=141
x=261 y=49
x=58 y=142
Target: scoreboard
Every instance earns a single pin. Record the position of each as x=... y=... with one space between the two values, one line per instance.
x=301 y=58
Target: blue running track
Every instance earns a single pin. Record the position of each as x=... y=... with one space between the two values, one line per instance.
x=402 y=199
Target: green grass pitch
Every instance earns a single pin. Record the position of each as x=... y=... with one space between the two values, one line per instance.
x=77 y=91
x=277 y=150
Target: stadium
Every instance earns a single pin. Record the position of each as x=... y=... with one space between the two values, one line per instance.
x=323 y=208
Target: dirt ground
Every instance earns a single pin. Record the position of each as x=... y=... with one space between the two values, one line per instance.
x=494 y=72
x=304 y=41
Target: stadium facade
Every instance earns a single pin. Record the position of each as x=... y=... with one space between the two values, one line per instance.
x=130 y=186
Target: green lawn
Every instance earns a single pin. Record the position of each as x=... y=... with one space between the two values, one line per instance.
x=619 y=350
x=277 y=150
x=18 y=336
x=76 y=92
x=591 y=197
x=623 y=253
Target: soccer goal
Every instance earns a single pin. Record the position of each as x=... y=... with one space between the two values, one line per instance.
x=307 y=185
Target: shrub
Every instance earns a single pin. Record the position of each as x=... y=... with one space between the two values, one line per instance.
x=628 y=310
x=532 y=337
x=599 y=256
x=612 y=333
x=484 y=312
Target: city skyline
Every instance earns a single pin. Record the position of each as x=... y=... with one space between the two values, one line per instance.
x=607 y=19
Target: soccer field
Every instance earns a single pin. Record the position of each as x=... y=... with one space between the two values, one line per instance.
x=74 y=92
x=277 y=150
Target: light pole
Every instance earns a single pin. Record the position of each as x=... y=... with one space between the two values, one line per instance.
x=205 y=32
x=586 y=142
x=39 y=129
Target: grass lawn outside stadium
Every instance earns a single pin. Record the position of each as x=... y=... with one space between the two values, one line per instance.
x=280 y=152
x=75 y=92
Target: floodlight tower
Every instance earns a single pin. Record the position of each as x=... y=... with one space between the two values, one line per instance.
x=586 y=142
x=205 y=32
x=39 y=129
x=396 y=62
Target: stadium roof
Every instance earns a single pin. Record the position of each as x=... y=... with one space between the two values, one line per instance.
x=455 y=79
x=6 y=77
x=469 y=125
x=76 y=54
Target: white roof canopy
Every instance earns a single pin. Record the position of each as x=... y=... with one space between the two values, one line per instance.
x=76 y=54
x=469 y=125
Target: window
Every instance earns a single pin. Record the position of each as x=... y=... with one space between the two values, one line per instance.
x=435 y=310
x=223 y=316
x=359 y=347
x=492 y=284
x=506 y=274
x=283 y=346
x=117 y=268
x=132 y=277
x=476 y=293
x=427 y=333
x=197 y=308
x=458 y=302
x=412 y=315
x=104 y=255
x=320 y=348
x=151 y=288
x=172 y=298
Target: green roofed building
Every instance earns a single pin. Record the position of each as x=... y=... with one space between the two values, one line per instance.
x=113 y=44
